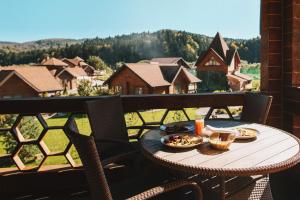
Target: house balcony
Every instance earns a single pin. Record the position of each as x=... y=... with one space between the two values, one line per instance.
x=64 y=174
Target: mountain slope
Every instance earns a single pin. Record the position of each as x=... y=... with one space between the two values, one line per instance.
x=125 y=48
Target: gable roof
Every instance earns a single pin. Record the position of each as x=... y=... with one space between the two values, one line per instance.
x=53 y=62
x=77 y=61
x=150 y=73
x=169 y=60
x=230 y=55
x=191 y=77
x=166 y=60
x=74 y=71
x=243 y=76
x=38 y=77
x=78 y=58
x=219 y=45
x=71 y=61
x=203 y=54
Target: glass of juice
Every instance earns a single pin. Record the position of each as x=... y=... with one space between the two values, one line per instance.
x=199 y=123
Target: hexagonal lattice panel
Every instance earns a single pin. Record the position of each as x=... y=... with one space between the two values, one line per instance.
x=28 y=128
x=175 y=116
x=54 y=141
x=29 y=157
x=153 y=116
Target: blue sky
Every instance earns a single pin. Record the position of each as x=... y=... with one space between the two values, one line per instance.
x=27 y=20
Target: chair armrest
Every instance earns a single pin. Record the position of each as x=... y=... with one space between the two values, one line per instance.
x=153 y=192
x=120 y=157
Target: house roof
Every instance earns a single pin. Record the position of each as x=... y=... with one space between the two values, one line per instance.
x=78 y=58
x=169 y=60
x=166 y=60
x=38 y=77
x=191 y=77
x=150 y=73
x=219 y=45
x=71 y=61
x=77 y=61
x=74 y=71
x=203 y=54
x=155 y=75
x=220 y=48
x=243 y=76
x=229 y=55
x=53 y=62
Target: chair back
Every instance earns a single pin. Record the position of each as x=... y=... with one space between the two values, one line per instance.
x=87 y=150
x=107 y=120
x=256 y=108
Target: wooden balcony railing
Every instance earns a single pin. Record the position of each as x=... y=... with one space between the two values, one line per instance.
x=169 y=106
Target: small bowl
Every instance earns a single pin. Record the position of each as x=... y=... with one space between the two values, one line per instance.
x=221 y=141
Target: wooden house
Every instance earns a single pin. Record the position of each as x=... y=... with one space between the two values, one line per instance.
x=70 y=76
x=145 y=78
x=27 y=81
x=219 y=58
x=79 y=62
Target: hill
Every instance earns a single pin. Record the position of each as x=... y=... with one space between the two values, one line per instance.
x=124 y=48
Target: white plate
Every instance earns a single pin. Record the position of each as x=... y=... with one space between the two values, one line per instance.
x=166 y=137
x=246 y=137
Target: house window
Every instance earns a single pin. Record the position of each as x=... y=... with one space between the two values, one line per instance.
x=138 y=90
x=212 y=62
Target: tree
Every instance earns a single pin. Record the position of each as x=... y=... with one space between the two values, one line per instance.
x=85 y=88
x=97 y=62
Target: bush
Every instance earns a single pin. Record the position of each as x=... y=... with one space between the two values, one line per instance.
x=85 y=88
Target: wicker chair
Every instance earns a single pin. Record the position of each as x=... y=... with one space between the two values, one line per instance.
x=99 y=187
x=106 y=117
x=121 y=158
x=256 y=108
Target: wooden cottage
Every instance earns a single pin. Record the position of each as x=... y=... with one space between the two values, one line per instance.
x=79 y=62
x=27 y=81
x=145 y=78
x=70 y=76
x=219 y=59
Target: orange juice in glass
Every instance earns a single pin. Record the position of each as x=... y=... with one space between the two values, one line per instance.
x=199 y=123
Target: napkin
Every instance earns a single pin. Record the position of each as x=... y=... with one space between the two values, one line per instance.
x=210 y=129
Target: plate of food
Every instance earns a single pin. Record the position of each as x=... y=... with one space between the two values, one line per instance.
x=177 y=128
x=246 y=133
x=183 y=140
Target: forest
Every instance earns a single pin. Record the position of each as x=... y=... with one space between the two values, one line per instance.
x=124 y=48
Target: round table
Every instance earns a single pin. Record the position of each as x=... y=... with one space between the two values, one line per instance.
x=273 y=150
